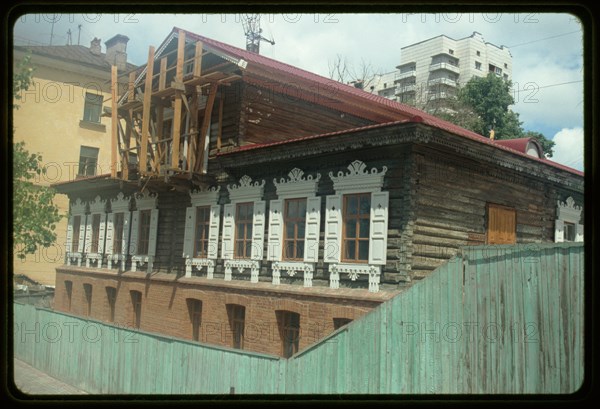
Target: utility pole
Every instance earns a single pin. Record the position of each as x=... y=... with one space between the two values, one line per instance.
x=69 y=41
x=79 y=34
x=52 y=29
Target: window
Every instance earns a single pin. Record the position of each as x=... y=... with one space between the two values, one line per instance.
x=289 y=325
x=295 y=224
x=243 y=230
x=505 y=65
x=87 y=289
x=505 y=76
x=478 y=53
x=501 y=225
x=88 y=161
x=69 y=291
x=111 y=295
x=136 y=303
x=118 y=222
x=144 y=231
x=451 y=52
x=76 y=227
x=356 y=213
x=95 y=232
x=567 y=226
x=340 y=322
x=202 y=229
x=195 y=311
x=93 y=107
x=570 y=231
x=237 y=321
x=477 y=65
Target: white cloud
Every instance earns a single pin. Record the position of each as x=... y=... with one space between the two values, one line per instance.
x=568 y=148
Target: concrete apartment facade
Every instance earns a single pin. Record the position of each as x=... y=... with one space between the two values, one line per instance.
x=434 y=69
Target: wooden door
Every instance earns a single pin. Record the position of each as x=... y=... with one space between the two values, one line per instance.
x=502 y=225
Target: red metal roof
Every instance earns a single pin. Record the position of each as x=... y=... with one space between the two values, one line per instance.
x=519 y=144
x=406 y=113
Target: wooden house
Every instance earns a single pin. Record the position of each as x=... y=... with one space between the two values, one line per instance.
x=262 y=197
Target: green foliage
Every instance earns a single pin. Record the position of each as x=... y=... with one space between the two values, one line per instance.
x=22 y=77
x=490 y=98
x=34 y=214
x=483 y=103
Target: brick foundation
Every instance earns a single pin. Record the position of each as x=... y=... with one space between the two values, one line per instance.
x=165 y=309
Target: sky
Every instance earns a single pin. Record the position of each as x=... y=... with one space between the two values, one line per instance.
x=547 y=50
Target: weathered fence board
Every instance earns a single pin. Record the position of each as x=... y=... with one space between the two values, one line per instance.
x=494 y=319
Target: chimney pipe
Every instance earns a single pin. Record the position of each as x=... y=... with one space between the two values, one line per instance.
x=116 y=51
x=95 y=47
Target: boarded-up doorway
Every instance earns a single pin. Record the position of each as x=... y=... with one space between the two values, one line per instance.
x=502 y=225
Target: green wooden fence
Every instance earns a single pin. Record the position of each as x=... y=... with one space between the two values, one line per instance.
x=495 y=319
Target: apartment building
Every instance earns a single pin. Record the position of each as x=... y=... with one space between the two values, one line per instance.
x=61 y=117
x=436 y=68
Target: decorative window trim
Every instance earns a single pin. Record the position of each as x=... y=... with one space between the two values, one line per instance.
x=245 y=191
x=201 y=198
x=144 y=201
x=120 y=204
x=568 y=212
x=97 y=207
x=292 y=268
x=295 y=187
x=78 y=208
x=357 y=180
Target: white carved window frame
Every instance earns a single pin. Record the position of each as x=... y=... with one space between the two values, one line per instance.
x=120 y=204
x=78 y=208
x=202 y=198
x=568 y=212
x=295 y=187
x=144 y=201
x=96 y=207
x=358 y=179
x=245 y=191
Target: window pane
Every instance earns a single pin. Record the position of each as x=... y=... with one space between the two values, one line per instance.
x=363 y=250
x=292 y=209
x=300 y=249
x=289 y=230
x=350 y=249
x=301 y=227
x=351 y=229
x=365 y=204
x=239 y=251
x=364 y=228
x=240 y=230
x=249 y=231
x=302 y=208
x=352 y=205
x=248 y=249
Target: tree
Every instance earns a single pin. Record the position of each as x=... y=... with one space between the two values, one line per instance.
x=490 y=98
x=22 y=78
x=342 y=71
x=34 y=214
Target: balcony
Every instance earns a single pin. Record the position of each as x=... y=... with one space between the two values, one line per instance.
x=442 y=81
x=402 y=89
x=439 y=95
x=403 y=75
x=444 y=66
